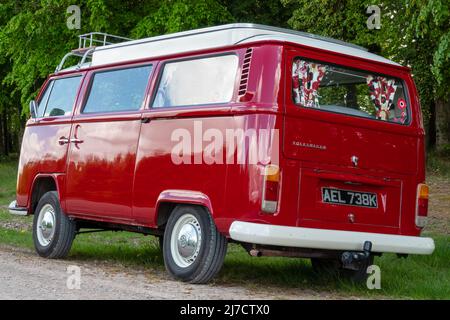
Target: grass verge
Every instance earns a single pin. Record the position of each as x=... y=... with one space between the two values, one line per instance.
x=416 y=277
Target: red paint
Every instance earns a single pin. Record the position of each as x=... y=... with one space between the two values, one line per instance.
x=121 y=171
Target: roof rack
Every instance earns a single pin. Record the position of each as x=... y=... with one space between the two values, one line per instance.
x=87 y=44
x=100 y=38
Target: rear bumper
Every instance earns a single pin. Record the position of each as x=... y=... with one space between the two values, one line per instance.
x=14 y=209
x=266 y=234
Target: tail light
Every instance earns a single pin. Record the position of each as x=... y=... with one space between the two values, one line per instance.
x=422 y=205
x=271 y=188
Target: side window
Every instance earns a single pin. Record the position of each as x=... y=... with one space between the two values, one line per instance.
x=44 y=99
x=59 y=97
x=118 y=90
x=342 y=90
x=198 y=81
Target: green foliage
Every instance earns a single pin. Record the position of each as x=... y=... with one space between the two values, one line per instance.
x=27 y=41
x=344 y=20
x=415 y=33
x=179 y=15
x=427 y=36
x=34 y=35
x=273 y=13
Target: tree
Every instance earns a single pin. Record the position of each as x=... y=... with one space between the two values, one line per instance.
x=414 y=33
x=179 y=15
x=273 y=13
x=431 y=25
x=34 y=37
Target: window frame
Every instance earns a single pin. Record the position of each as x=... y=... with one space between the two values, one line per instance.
x=191 y=58
x=50 y=86
x=90 y=83
x=400 y=80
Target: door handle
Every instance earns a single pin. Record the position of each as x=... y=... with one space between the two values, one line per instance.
x=63 y=140
x=75 y=136
x=145 y=120
x=76 y=141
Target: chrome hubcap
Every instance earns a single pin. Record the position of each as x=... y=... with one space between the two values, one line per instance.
x=46 y=225
x=186 y=240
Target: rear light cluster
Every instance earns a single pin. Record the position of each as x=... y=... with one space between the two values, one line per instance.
x=422 y=205
x=271 y=189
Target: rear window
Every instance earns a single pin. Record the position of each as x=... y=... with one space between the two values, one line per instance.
x=118 y=90
x=357 y=93
x=195 y=82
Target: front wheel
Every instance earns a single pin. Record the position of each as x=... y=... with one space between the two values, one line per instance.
x=193 y=248
x=53 y=231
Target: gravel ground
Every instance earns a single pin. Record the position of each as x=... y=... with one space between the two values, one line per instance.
x=23 y=275
x=439 y=206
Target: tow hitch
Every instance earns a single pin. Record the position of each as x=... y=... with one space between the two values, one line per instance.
x=352 y=260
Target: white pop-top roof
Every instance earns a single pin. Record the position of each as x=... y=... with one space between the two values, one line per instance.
x=220 y=36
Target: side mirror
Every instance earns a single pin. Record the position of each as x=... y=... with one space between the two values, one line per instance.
x=33 y=109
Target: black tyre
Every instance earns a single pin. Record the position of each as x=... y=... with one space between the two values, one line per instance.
x=334 y=267
x=160 y=242
x=193 y=249
x=53 y=231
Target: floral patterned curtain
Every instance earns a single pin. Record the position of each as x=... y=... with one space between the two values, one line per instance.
x=306 y=77
x=402 y=107
x=382 y=91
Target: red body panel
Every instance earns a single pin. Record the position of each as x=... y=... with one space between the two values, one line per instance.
x=100 y=170
x=41 y=154
x=122 y=171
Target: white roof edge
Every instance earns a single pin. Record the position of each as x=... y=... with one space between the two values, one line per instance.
x=230 y=26
x=221 y=36
x=330 y=47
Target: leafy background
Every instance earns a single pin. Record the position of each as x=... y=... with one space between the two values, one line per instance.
x=34 y=37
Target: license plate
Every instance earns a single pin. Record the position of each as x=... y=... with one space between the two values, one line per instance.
x=349 y=198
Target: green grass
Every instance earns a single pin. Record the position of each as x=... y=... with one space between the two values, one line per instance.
x=417 y=277
x=438 y=164
x=8 y=174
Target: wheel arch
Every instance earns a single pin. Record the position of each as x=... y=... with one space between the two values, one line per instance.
x=169 y=199
x=43 y=183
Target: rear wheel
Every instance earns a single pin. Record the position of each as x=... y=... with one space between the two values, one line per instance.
x=193 y=248
x=53 y=231
x=334 y=266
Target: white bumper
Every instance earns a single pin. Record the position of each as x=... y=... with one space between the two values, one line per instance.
x=18 y=211
x=327 y=239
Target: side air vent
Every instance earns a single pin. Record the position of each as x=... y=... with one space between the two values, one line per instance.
x=245 y=72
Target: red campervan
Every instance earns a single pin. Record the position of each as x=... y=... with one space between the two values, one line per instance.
x=288 y=143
